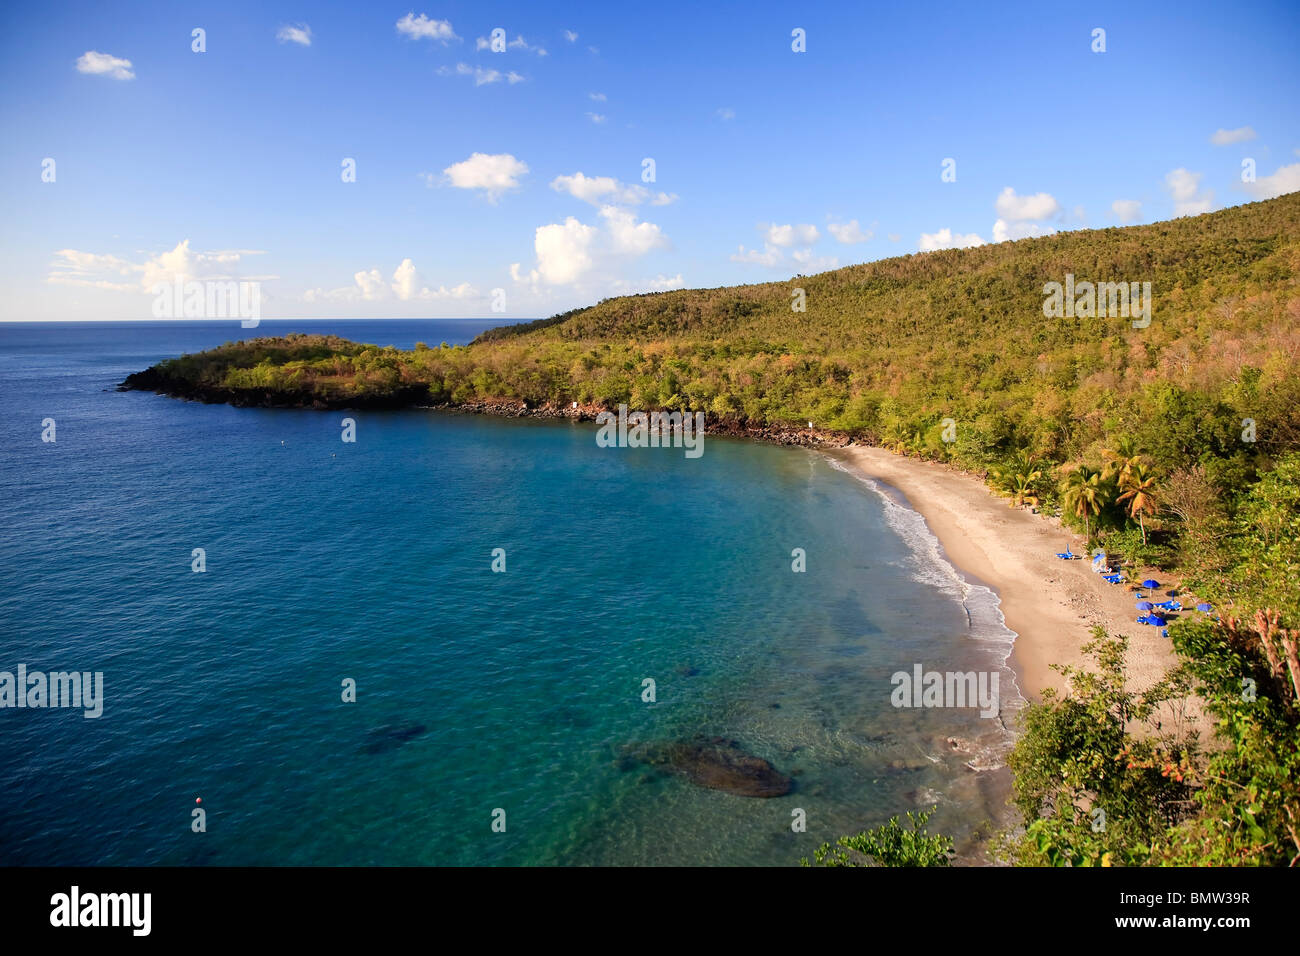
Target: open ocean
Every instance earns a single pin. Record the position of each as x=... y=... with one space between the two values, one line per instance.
x=476 y=691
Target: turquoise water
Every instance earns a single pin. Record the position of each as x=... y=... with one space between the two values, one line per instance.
x=475 y=690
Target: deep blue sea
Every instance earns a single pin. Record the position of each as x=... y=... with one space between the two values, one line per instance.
x=476 y=691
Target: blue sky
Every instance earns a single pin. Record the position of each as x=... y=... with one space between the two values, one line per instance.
x=522 y=172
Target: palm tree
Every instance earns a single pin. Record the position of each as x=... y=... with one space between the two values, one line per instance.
x=1018 y=477
x=895 y=438
x=1084 y=494
x=1023 y=490
x=1121 y=459
x=1139 y=489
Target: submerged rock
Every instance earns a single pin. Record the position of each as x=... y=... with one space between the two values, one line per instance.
x=715 y=763
x=391 y=736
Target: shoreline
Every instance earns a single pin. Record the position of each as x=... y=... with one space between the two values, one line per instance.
x=1051 y=605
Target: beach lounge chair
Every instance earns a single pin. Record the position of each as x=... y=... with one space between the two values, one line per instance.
x=1169 y=605
x=1113 y=578
x=1066 y=556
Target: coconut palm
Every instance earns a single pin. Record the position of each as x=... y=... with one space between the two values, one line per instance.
x=1084 y=493
x=1023 y=490
x=1018 y=478
x=1121 y=459
x=1138 y=487
x=895 y=438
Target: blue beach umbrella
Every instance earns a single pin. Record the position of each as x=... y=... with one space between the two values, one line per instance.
x=1144 y=605
x=1155 y=620
x=1204 y=607
x=1151 y=583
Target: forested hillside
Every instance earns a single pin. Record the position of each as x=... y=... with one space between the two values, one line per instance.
x=1173 y=443
x=1149 y=436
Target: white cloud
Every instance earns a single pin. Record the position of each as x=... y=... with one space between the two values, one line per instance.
x=406 y=280
x=600 y=190
x=849 y=232
x=789 y=235
x=563 y=251
x=407 y=285
x=661 y=283
x=422 y=28
x=570 y=36
x=102 y=64
x=1003 y=230
x=1226 y=137
x=598 y=97
x=1285 y=180
x=893 y=237
x=587 y=257
x=1020 y=208
x=93 y=270
x=493 y=174
x=105 y=271
x=593 y=189
x=725 y=113
x=1126 y=210
x=294 y=33
x=776 y=239
x=1184 y=186
x=947 y=239
x=518 y=43
x=628 y=236
x=482 y=76
x=769 y=257
x=808 y=263
x=369 y=285
x=596 y=118
x=576 y=254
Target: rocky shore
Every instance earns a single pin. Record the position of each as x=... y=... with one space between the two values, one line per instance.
x=416 y=396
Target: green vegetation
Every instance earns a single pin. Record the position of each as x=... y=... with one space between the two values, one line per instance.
x=1175 y=445
x=889 y=844
x=1107 y=777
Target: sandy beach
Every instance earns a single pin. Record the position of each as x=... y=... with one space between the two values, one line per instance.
x=1051 y=604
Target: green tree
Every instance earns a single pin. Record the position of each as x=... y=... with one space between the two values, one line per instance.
x=1092 y=792
x=1120 y=459
x=889 y=844
x=1084 y=494
x=1137 y=486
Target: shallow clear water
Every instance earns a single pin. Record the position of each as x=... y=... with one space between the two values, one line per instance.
x=475 y=690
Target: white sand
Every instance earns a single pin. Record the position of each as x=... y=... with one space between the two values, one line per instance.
x=1051 y=604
